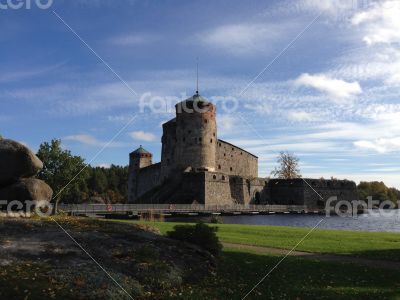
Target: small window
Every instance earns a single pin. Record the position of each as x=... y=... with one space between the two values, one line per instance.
x=223 y=177
x=200 y=139
x=219 y=144
x=211 y=141
x=230 y=168
x=233 y=149
x=241 y=153
x=224 y=154
x=219 y=167
x=214 y=134
x=205 y=121
x=214 y=177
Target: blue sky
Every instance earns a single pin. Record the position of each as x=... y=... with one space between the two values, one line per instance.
x=331 y=97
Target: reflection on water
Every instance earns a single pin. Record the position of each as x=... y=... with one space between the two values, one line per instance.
x=371 y=221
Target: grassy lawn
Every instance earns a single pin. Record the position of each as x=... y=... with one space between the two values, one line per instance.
x=373 y=245
x=295 y=278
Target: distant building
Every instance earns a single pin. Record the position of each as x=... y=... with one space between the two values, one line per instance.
x=197 y=167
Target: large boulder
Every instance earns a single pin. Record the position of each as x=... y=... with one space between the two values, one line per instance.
x=27 y=189
x=16 y=161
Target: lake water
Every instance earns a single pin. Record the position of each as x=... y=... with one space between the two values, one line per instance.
x=388 y=221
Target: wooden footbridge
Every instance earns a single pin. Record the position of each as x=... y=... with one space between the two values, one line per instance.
x=181 y=209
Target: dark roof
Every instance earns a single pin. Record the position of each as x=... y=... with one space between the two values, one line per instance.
x=141 y=150
x=197 y=98
x=225 y=142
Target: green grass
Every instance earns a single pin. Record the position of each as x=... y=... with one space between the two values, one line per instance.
x=373 y=245
x=295 y=278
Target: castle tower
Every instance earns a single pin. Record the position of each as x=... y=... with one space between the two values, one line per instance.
x=196 y=134
x=138 y=159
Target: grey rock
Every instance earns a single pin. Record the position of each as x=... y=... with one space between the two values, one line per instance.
x=27 y=189
x=16 y=161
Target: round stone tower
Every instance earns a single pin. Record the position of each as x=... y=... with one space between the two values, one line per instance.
x=196 y=134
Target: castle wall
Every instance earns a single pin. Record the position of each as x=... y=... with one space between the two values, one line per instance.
x=217 y=189
x=233 y=160
x=168 y=140
x=146 y=179
x=298 y=192
x=258 y=193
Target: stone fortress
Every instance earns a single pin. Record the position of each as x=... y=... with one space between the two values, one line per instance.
x=198 y=168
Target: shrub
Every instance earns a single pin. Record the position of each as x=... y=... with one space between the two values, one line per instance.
x=199 y=234
x=216 y=220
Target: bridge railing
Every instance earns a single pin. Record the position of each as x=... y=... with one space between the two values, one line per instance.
x=126 y=208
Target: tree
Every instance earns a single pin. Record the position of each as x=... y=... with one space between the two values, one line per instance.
x=378 y=191
x=288 y=166
x=65 y=173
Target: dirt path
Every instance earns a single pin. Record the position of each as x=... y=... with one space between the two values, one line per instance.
x=380 y=264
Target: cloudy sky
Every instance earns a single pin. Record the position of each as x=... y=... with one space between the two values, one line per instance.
x=317 y=78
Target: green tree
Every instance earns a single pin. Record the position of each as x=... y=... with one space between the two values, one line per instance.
x=288 y=166
x=65 y=173
x=378 y=191
x=98 y=180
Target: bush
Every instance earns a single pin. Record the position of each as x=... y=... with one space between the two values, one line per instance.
x=199 y=234
x=216 y=220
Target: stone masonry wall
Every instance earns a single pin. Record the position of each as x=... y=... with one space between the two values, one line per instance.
x=298 y=192
x=217 y=189
x=146 y=179
x=233 y=160
x=168 y=149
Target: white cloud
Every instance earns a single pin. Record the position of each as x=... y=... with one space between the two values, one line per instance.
x=301 y=116
x=84 y=139
x=381 y=145
x=382 y=22
x=18 y=75
x=90 y=140
x=336 y=88
x=244 y=38
x=143 y=136
x=133 y=39
x=225 y=122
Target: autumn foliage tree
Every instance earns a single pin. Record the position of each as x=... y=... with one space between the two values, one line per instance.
x=288 y=166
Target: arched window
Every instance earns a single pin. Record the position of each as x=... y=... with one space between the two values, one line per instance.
x=214 y=177
x=219 y=167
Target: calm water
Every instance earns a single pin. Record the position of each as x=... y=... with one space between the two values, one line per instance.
x=370 y=221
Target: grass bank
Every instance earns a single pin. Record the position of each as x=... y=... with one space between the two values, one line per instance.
x=296 y=278
x=372 y=245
